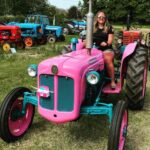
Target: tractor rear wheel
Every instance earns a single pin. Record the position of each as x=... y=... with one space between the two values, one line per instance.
x=42 y=41
x=20 y=45
x=62 y=38
x=136 y=78
x=65 y=31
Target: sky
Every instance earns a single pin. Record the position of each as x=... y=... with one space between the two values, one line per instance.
x=64 y=4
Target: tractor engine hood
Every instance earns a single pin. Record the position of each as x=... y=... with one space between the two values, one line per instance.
x=9 y=27
x=66 y=83
x=74 y=63
x=53 y=27
x=25 y=25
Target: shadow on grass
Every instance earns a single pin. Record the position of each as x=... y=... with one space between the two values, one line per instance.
x=90 y=128
x=93 y=128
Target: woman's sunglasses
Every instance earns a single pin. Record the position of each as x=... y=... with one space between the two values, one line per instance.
x=101 y=17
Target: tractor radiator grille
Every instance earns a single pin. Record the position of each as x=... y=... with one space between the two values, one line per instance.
x=130 y=38
x=65 y=93
x=126 y=40
x=47 y=80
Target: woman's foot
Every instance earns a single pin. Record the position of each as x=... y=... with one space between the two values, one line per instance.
x=113 y=85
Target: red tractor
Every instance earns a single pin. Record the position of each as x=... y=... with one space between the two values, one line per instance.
x=10 y=36
x=131 y=34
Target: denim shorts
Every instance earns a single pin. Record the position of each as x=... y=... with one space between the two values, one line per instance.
x=109 y=51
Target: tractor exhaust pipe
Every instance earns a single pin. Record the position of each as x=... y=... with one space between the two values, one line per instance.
x=89 y=34
x=128 y=21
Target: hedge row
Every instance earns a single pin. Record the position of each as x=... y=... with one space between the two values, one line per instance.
x=10 y=18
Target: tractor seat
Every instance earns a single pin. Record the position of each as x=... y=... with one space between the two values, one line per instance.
x=107 y=89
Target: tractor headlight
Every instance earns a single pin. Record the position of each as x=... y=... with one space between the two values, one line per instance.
x=92 y=77
x=32 y=70
x=119 y=41
x=143 y=42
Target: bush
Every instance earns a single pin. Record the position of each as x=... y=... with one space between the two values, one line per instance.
x=11 y=18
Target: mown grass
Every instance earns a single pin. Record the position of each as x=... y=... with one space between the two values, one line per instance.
x=87 y=133
x=138 y=27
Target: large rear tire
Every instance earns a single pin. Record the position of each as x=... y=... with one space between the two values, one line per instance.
x=65 y=31
x=62 y=38
x=118 y=128
x=20 y=45
x=42 y=41
x=136 y=78
x=13 y=124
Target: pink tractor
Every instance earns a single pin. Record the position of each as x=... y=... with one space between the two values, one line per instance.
x=75 y=83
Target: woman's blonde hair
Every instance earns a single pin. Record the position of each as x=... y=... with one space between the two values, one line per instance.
x=95 y=27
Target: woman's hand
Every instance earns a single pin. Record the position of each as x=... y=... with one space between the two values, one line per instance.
x=103 y=44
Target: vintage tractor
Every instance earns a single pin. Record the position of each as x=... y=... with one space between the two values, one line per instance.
x=130 y=34
x=76 y=83
x=80 y=25
x=74 y=27
x=10 y=36
x=51 y=33
x=68 y=29
x=125 y=37
x=136 y=66
x=30 y=32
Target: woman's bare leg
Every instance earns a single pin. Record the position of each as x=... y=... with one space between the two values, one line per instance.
x=109 y=62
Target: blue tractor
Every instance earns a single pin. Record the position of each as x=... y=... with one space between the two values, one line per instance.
x=81 y=25
x=74 y=27
x=52 y=33
x=30 y=32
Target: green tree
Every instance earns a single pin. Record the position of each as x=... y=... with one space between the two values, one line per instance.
x=142 y=12
x=24 y=7
x=74 y=13
x=97 y=5
x=118 y=10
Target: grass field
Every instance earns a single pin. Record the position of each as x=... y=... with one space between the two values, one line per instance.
x=88 y=133
x=142 y=26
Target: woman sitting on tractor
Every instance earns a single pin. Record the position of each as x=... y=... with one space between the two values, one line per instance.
x=103 y=37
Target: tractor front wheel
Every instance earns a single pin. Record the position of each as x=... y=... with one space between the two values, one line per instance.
x=51 y=39
x=29 y=42
x=14 y=124
x=6 y=47
x=118 y=128
x=136 y=78
x=42 y=40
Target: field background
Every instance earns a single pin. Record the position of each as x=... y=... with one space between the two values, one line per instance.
x=88 y=133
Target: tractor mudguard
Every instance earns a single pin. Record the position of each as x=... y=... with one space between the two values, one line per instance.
x=130 y=48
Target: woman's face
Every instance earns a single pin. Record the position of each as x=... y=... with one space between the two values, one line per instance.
x=101 y=18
